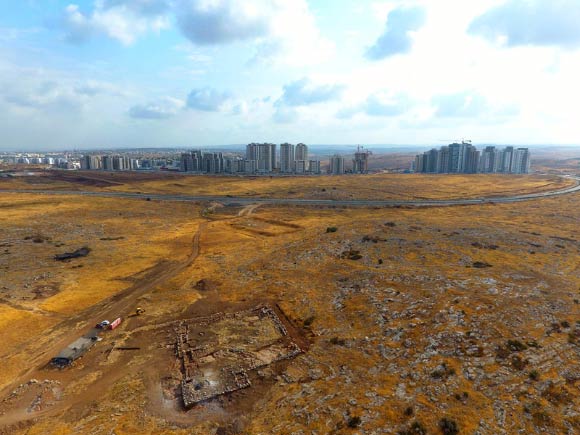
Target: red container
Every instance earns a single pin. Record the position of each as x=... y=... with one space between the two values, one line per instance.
x=115 y=323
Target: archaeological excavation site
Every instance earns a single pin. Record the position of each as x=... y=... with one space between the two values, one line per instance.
x=217 y=353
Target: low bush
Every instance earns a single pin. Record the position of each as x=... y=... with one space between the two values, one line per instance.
x=416 y=428
x=448 y=426
x=354 y=421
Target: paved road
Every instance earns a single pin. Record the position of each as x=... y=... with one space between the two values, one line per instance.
x=241 y=200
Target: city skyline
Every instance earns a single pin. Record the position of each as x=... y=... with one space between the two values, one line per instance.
x=188 y=73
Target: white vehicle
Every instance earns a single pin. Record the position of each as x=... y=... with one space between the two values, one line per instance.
x=103 y=324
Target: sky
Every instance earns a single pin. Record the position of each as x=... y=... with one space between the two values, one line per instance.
x=188 y=73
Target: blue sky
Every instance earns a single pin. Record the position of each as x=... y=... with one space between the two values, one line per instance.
x=186 y=73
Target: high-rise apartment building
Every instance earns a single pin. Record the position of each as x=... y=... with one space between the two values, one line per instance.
x=287 y=158
x=505 y=160
x=489 y=160
x=464 y=158
x=314 y=166
x=90 y=161
x=107 y=163
x=300 y=166
x=302 y=152
x=521 y=161
x=337 y=165
x=264 y=154
x=191 y=161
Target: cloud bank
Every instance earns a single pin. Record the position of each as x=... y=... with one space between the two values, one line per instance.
x=281 y=31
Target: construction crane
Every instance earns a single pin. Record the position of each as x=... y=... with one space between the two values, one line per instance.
x=362 y=149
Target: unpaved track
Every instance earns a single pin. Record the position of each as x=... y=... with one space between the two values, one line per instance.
x=248 y=210
x=119 y=305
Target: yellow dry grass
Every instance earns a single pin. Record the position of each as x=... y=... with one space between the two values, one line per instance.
x=378 y=186
x=382 y=186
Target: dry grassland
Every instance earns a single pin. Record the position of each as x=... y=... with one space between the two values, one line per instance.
x=408 y=311
x=380 y=186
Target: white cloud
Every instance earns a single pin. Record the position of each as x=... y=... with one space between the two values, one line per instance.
x=117 y=20
x=294 y=38
x=222 y=21
x=531 y=22
x=285 y=115
x=240 y=108
x=49 y=92
x=380 y=104
x=144 y=7
x=162 y=108
x=94 y=87
x=464 y=104
x=208 y=99
x=303 y=93
x=397 y=37
x=282 y=31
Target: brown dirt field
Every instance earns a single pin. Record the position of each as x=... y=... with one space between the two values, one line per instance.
x=410 y=324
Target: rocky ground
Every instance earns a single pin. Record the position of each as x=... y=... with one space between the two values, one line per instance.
x=456 y=320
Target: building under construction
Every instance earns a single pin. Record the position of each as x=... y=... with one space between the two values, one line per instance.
x=360 y=163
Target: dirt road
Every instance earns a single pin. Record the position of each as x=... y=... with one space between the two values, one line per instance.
x=41 y=349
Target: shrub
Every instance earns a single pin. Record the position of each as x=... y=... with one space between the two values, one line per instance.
x=541 y=418
x=443 y=372
x=516 y=345
x=338 y=341
x=481 y=265
x=331 y=230
x=534 y=375
x=308 y=321
x=533 y=343
x=518 y=363
x=374 y=239
x=416 y=428
x=354 y=422
x=351 y=255
x=448 y=426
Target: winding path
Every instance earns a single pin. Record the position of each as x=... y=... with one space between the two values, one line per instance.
x=241 y=200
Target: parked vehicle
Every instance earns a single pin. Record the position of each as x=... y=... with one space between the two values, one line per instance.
x=103 y=325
